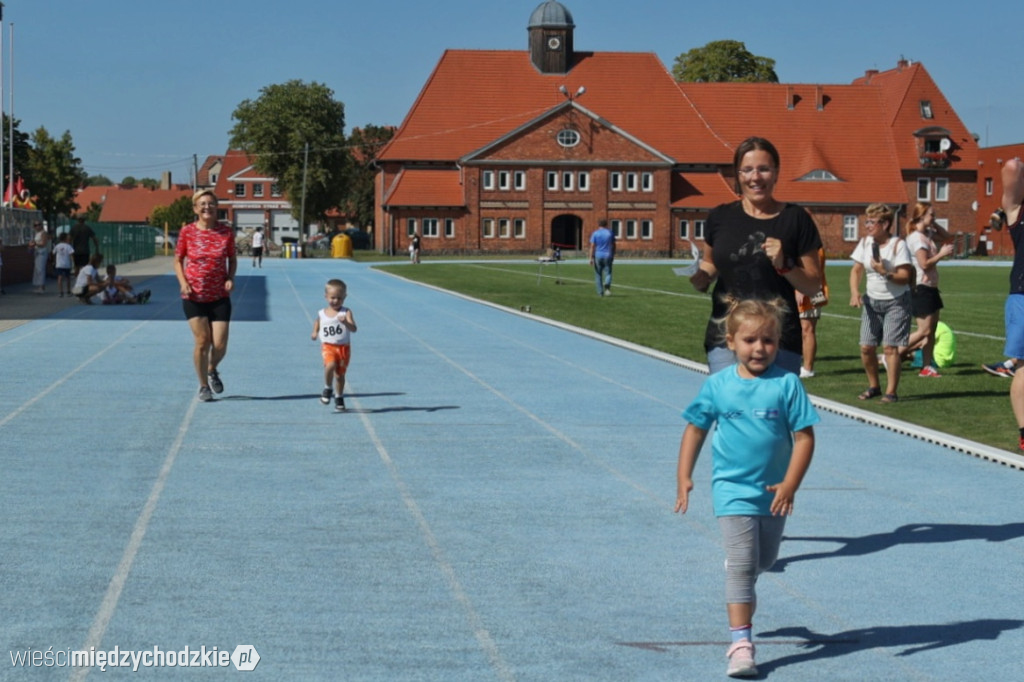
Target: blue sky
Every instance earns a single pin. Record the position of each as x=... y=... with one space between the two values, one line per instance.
x=143 y=85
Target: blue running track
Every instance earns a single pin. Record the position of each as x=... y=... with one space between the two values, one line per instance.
x=495 y=505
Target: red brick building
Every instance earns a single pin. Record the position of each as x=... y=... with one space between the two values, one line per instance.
x=990 y=195
x=509 y=151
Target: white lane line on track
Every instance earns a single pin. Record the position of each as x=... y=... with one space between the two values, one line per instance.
x=49 y=389
x=480 y=631
x=124 y=567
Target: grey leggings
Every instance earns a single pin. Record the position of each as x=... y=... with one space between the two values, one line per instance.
x=751 y=547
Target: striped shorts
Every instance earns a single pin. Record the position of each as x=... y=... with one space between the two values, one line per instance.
x=885 y=322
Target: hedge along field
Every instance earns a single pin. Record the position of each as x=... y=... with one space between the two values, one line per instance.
x=653 y=307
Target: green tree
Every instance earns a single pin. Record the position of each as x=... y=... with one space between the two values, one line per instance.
x=723 y=61
x=129 y=182
x=21 y=149
x=53 y=173
x=149 y=183
x=92 y=214
x=98 y=181
x=364 y=145
x=275 y=129
x=177 y=214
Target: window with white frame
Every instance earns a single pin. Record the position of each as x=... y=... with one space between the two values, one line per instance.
x=275 y=190
x=631 y=182
x=698 y=229
x=851 y=228
x=257 y=189
x=503 y=228
x=647 y=182
x=567 y=181
x=519 y=180
x=943 y=223
x=430 y=227
x=487 y=178
x=583 y=181
x=646 y=229
x=519 y=228
x=449 y=227
x=988 y=187
x=239 y=189
x=684 y=229
x=615 y=182
x=487 y=228
x=616 y=227
x=630 y=229
x=410 y=226
x=941 y=189
x=504 y=180
x=924 y=187
x=551 y=179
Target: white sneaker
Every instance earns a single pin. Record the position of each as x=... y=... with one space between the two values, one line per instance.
x=741 y=660
x=806 y=373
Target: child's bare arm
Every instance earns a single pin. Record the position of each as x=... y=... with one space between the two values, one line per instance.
x=689 y=449
x=785 y=492
x=316 y=328
x=350 y=321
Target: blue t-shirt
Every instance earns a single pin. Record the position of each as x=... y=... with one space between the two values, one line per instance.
x=753 y=442
x=603 y=241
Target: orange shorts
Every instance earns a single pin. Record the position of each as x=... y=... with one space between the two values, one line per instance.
x=337 y=355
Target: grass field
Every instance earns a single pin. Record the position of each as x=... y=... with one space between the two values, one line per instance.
x=652 y=307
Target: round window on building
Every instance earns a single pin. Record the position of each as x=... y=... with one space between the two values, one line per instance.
x=568 y=137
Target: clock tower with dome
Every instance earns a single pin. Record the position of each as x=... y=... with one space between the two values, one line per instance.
x=550 y=30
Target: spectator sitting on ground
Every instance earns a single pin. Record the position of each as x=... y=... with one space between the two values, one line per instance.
x=88 y=284
x=119 y=290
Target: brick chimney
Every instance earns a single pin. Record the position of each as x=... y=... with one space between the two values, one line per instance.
x=869 y=74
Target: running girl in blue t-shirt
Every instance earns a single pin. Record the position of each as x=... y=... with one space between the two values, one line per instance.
x=760 y=451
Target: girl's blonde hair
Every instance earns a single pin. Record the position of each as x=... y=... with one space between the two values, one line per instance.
x=742 y=309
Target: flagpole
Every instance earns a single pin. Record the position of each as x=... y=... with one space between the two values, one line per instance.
x=2 y=98
x=10 y=119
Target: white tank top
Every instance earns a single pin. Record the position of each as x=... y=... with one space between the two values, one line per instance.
x=331 y=328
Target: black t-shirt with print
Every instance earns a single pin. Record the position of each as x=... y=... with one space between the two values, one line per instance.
x=744 y=271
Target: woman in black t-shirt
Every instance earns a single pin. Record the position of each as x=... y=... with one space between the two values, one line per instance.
x=758 y=247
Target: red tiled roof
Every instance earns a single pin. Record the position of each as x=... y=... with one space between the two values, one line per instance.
x=427 y=188
x=135 y=205
x=203 y=176
x=903 y=89
x=700 y=190
x=848 y=137
x=474 y=97
x=87 y=196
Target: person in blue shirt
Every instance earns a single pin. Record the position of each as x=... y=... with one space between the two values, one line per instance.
x=602 y=253
x=760 y=451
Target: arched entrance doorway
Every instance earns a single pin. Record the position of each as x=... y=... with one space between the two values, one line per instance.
x=567 y=231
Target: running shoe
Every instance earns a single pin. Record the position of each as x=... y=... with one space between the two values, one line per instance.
x=205 y=394
x=215 y=383
x=326 y=396
x=741 y=660
x=806 y=373
x=339 y=404
x=999 y=369
x=929 y=371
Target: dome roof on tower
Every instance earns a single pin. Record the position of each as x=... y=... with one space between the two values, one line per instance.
x=550 y=14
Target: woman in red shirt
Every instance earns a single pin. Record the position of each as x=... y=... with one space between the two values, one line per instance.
x=204 y=262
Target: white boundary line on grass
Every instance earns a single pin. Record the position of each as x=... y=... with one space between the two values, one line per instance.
x=979 y=450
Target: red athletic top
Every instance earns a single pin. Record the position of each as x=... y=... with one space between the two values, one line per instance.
x=206 y=255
